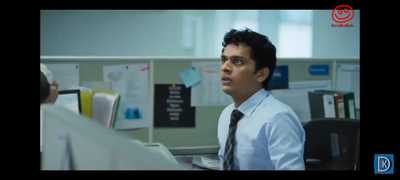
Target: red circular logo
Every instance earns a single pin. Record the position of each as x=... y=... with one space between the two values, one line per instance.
x=342 y=14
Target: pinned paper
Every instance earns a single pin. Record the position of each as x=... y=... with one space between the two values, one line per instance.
x=190 y=77
x=131 y=81
x=348 y=79
x=209 y=92
x=297 y=96
x=66 y=75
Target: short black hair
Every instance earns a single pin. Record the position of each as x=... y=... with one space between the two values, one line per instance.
x=44 y=88
x=262 y=50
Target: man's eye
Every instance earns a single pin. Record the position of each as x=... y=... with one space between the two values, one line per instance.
x=237 y=61
x=223 y=60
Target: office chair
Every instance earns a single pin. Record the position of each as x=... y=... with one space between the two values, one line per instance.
x=332 y=144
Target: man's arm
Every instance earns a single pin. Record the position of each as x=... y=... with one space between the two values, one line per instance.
x=285 y=139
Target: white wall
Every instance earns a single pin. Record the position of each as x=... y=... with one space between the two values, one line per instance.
x=269 y=22
x=160 y=33
x=112 y=33
x=335 y=42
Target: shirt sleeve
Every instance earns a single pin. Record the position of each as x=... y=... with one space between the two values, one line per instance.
x=285 y=138
x=44 y=88
x=220 y=158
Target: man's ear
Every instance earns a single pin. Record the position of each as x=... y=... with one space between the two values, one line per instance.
x=262 y=74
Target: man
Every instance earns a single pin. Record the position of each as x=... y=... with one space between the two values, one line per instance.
x=48 y=91
x=48 y=94
x=256 y=132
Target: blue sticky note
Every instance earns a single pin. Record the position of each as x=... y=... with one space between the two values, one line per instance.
x=319 y=69
x=132 y=113
x=190 y=77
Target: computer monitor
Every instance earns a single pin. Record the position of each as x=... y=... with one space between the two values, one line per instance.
x=73 y=143
x=70 y=99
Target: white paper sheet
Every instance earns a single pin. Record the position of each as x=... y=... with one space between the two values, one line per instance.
x=67 y=75
x=211 y=163
x=131 y=81
x=209 y=91
x=348 y=79
x=297 y=98
x=69 y=101
x=311 y=85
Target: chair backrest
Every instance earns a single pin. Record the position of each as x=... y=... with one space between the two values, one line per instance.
x=333 y=142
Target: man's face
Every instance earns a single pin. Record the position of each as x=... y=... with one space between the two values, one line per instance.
x=238 y=75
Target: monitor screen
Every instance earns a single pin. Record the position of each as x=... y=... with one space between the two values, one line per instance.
x=70 y=99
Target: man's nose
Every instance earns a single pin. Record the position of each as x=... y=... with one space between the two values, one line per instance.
x=225 y=67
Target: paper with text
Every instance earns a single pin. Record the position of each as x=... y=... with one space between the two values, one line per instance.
x=131 y=81
x=209 y=91
x=66 y=75
x=297 y=98
x=348 y=79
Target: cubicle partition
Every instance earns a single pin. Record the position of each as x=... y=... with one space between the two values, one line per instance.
x=202 y=138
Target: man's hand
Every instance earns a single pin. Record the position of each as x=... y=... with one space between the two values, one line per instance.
x=53 y=93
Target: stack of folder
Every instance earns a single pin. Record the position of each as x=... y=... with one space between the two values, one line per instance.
x=100 y=105
x=105 y=107
x=86 y=102
x=332 y=104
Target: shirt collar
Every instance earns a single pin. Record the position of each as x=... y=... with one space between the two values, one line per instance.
x=248 y=106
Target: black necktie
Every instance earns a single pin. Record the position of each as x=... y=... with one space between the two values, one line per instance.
x=230 y=142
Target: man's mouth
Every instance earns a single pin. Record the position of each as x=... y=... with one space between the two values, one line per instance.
x=226 y=80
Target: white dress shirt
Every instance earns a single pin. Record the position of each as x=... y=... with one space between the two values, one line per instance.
x=268 y=137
